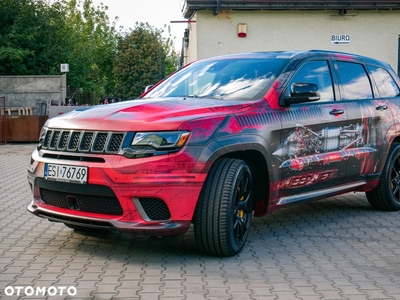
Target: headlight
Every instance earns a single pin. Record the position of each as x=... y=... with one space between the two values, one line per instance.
x=156 y=143
x=42 y=136
x=160 y=140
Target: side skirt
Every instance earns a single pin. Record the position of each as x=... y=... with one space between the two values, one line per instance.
x=322 y=193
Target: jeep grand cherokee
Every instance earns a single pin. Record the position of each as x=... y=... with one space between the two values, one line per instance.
x=220 y=141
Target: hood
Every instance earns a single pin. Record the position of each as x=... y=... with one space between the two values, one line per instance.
x=146 y=115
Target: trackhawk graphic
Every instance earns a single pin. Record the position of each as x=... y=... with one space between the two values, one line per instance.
x=304 y=147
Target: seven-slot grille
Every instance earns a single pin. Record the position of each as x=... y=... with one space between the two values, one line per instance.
x=83 y=141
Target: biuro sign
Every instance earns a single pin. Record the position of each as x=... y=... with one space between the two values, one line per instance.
x=340 y=39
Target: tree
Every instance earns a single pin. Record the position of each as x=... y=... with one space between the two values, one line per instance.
x=140 y=60
x=92 y=42
x=171 y=59
x=29 y=37
x=36 y=36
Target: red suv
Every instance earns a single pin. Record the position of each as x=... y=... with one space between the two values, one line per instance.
x=221 y=140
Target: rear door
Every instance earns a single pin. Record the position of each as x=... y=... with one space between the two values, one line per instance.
x=369 y=117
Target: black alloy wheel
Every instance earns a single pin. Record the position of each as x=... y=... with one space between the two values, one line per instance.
x=386 y=196
x=224 y=211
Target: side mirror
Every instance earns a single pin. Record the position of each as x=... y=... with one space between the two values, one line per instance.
x=302 y=92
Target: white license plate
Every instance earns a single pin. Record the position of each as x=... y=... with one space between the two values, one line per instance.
x=65 y=173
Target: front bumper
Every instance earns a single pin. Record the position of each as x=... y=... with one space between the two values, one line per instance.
x=166 y=228
x=129 y=201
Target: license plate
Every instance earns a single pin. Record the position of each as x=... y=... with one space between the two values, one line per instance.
x=65 y=173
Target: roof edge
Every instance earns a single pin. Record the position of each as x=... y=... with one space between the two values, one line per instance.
x=191 y=6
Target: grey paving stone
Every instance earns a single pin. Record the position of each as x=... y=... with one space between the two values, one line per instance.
x=336 y=248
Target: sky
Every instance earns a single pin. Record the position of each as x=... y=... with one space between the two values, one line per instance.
x=155 y=12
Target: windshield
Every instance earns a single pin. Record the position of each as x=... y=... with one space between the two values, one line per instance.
x=232 y=79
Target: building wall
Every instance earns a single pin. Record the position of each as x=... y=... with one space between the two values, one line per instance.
x=28 y=91
x=191 y=46
x=372 y=33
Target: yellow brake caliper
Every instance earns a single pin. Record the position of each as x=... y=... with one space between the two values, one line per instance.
x=241 y=212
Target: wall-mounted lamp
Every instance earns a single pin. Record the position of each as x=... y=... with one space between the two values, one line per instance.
x=242 y=30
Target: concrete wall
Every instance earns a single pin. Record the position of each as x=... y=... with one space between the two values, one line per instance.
x=373 y=33
x=27 y=91
x=191 y=50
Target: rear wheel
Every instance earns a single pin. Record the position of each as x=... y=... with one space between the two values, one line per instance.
x=224 y=211
x=386 y=196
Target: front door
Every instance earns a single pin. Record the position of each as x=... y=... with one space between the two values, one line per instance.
x=312 y=138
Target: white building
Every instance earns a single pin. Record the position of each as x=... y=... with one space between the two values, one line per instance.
x=370 y=28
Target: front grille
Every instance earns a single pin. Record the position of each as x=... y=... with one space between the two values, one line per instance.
x=88 y=203
x=64 y=140
x=155 y=209
x=86 y=142
x=83 y=141
x=73 y=144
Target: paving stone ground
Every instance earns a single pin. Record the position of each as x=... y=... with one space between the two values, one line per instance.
x=336 y=248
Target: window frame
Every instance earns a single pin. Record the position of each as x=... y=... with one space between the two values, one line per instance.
x=376 y=83
x=371 y=81
x=286 y=92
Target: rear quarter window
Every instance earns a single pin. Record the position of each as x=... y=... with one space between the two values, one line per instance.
x=387 y=87
x=355 y=82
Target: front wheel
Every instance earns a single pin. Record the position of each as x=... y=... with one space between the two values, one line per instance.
x=386 y=196
x=224 y=211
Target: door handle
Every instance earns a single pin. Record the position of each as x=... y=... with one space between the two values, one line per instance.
x=381 y=107
x=336 y=112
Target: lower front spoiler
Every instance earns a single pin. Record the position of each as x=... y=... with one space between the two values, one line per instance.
x=162 y=228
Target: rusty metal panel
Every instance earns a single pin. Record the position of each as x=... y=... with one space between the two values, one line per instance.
x=24 y=128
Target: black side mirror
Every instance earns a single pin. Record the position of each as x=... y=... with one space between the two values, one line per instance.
x=302 y=92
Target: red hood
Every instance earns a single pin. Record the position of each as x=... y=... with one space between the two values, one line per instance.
x=145 y=114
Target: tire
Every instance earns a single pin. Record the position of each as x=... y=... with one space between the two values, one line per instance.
x=223 y=214
x=386 y=196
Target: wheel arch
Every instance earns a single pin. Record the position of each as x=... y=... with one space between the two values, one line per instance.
x=254 y=151
x=395 y=140
x=391 y=138
x=259 y=170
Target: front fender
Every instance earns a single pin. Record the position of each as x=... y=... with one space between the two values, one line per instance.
x=229 y=145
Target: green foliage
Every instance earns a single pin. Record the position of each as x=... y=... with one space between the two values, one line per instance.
x=139 y=60
x=29 y=42
x=36 y=36
x=90 y=50
x=171 y=59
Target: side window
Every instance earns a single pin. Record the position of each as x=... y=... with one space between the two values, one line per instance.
x=387 y=87
x=354 y=81
x=317 y=72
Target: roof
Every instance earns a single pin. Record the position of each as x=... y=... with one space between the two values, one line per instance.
x=191 y=6
x=298 y=54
